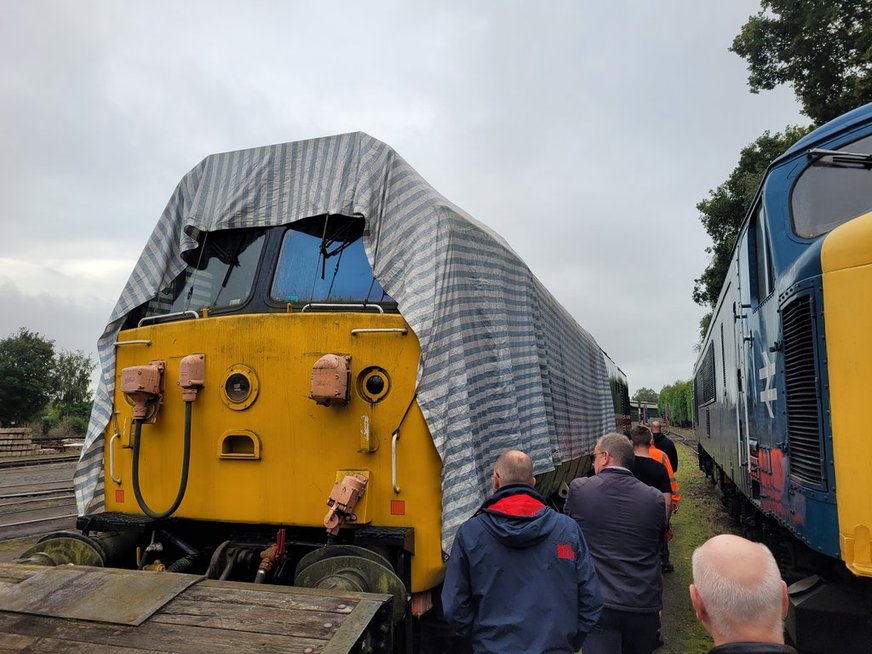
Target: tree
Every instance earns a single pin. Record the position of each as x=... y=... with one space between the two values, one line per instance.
x=723 y=212
x=678 y=397
x=70 y=393
x=645 y=395
x=822 y=47
x=704 y=323
x=25 y=370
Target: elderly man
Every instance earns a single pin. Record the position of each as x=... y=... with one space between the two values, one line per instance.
x=624 y=521
x=520 y=578
x=739 y=597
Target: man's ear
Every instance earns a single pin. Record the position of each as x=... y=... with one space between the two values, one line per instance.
x=785 y=602
x=533 y=485
x=698 y=606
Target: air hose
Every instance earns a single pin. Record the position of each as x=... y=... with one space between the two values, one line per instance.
x=186 y=460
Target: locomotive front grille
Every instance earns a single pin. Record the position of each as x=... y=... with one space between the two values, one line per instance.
x=801 y=387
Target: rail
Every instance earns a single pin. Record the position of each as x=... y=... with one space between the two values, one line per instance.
x=21 y=462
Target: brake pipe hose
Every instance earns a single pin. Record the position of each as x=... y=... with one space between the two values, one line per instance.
x=186 y=461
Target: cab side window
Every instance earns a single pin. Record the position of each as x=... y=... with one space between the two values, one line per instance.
x=760 y=253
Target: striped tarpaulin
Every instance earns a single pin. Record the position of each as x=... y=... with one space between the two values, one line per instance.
x=503 y=365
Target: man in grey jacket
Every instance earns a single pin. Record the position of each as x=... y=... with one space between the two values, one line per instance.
x=623 y=521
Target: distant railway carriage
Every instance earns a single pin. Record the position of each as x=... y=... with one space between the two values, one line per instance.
x=781 y=384
x=311 y=371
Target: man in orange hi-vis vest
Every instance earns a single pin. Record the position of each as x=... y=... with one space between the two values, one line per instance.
x=659 y=455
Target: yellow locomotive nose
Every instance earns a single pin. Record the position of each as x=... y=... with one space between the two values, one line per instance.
x=846 y=261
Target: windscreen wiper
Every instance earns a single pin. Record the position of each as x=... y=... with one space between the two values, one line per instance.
x=341 y=237
x=842 y=156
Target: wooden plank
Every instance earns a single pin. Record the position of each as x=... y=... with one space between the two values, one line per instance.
x=15 y=573
x=19 y=643
x=295 y=622
x=297 y=590
x=211 y=616
x=126 y=599
x=288 y=599
x=151 y=636
x=353 y=627
x=292 y=625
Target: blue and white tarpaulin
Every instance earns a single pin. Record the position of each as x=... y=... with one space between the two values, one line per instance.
x=503 y=365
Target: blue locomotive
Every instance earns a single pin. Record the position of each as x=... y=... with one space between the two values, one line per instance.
x=781 y=381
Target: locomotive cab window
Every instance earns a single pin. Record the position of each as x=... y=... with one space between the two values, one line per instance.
x=220 y=275
x=704 y=384
x=836 y=187
x=322 y=260
x=762 y=274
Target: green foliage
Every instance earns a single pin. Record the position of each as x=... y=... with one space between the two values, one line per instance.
x=821 y=47
x=824 y=49
x=679 y=398
x=25 y=368
x=38 y=385
x=704 y=323
x=71 y=399
x=723 y=212
x=645 y=395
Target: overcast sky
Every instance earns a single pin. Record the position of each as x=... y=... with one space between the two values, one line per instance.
x=583 y=132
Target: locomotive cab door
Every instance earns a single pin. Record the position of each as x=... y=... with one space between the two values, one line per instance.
x=745 y=382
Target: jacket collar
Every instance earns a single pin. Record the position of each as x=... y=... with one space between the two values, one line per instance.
x=516 y=500
x=618 y=470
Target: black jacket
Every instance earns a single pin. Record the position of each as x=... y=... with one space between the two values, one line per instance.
x=665 y=445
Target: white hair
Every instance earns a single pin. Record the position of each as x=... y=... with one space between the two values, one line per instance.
x=731 y=604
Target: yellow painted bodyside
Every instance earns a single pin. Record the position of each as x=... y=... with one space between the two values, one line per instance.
x=846 y=259
x=300 y=446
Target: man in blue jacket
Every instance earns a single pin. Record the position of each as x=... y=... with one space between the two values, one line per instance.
x=520 y=578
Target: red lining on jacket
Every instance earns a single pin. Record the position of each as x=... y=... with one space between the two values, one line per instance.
x=517 y=505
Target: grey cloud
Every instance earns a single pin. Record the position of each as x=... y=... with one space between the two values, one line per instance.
x=584 y=133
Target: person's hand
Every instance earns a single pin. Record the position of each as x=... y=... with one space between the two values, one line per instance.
x=421 y=603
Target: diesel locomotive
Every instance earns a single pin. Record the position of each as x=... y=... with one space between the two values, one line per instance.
x=782 y=380
x=310 y=372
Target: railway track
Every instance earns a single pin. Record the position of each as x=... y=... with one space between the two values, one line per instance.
x=37 y=498
x=684 y=436
x=22 y=462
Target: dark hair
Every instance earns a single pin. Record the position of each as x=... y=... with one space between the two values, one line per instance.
x=640 y=435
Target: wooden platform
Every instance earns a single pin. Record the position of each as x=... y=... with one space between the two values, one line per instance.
x=197 y=616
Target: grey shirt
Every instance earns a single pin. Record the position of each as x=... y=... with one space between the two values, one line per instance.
x=623 y=521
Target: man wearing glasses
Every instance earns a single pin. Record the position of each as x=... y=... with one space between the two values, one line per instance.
x=623 y=521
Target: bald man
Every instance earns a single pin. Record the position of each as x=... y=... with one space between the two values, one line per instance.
x=520 y=578
x=739 y=596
